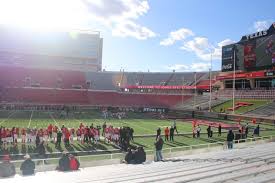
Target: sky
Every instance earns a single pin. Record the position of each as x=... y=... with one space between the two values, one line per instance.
x=154 y=35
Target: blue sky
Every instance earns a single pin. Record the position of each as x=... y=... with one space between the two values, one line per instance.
x=155 y=35
x=215 y=20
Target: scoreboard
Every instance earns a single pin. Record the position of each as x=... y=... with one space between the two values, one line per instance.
x=253 y=52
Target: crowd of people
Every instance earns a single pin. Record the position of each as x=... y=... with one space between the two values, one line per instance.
x=135 y=156
x=67 y=162
x=83 y=134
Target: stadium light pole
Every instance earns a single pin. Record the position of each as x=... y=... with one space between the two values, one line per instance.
x=194 y=104
x=234 y=78
x=182 y=91
x=210 y=84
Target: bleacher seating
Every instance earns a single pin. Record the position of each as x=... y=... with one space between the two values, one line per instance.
x=248 y=94
x=85 y=97
x=110 y=80
x=263 y=111
x=251 y=164
x=11 y=76
x=201 y=101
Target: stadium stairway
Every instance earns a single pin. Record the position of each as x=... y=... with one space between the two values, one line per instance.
x=251 y=164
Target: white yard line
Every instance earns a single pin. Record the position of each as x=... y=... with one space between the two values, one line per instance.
x=30 y=120
x=54 y=120
x=4 y=120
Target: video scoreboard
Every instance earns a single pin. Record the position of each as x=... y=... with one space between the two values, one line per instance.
x=253 y=52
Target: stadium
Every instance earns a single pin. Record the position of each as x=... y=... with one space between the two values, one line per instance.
x=53 y=83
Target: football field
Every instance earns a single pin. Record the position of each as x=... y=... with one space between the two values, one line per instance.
x=144 y=128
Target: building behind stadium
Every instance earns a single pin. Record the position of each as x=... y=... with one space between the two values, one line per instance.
x=75 y=50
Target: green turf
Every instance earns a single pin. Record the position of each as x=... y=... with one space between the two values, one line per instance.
x=229 y=104
x=141 y=127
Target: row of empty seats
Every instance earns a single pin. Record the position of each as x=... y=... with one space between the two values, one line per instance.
x=86 y=97
x=264 y=111
x=26 y=77
x=201 y=102
x=14 y=76
x=114 y=80
x=246 y=165
x=248 y=94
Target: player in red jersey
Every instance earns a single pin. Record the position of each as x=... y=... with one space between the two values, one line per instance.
x=55 y=129
x=82 y=135
x=78 y=134
x=96 y=135
x=116 y=135
x=9 y=136
x=72 y=131
x=23 y=135
x=4 y=136
x=81 y=126
x=50 y=130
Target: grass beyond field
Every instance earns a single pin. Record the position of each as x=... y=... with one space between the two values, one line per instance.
x=228 y=104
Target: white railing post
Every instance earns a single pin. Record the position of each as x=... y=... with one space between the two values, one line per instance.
x=111 y=156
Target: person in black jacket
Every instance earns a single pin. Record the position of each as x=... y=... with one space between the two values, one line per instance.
x=58 y=139
x=230 y=138
x=209 y=132
x=140 y=156
x=129 y=157
x=158 y=133
x=220 y=130
x=158 y=145
x=64 y=163
x=172 y=130
x=28 y=166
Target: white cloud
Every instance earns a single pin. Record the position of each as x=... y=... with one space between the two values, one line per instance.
x=78 y=14
x=120 y=16
x=203 y=49
x=194 y=67
x=177 y=35
x=132 y=29
x=261 y=25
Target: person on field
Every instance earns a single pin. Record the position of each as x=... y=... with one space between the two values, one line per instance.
x=257 y=131
x=246 y=130
x=7 y=169
x=74 y=163
x=159 y=145
x=166 y=133
x=175 y=126
x=172 y=130
x=158 y=133
x=198 y=131
x=58 y=139
x=230 y=138
x=209 y=132
x=219 y=130
x=28 y=166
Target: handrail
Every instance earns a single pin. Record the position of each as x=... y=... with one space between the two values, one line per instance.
x=151 y=150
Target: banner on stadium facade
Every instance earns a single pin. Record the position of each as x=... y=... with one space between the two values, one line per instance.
x=258 y=74
x=167 y=87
